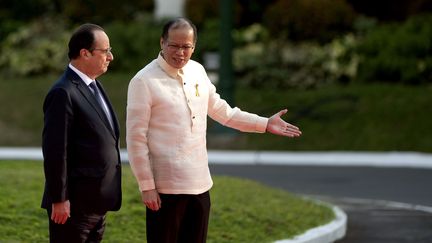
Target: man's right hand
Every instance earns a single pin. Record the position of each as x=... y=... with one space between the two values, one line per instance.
x=151 y=199
x=60 y=212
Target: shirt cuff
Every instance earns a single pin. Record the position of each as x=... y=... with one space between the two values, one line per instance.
x=146 y=185
x=261 y=124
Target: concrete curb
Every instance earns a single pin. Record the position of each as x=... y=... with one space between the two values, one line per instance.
x=312 y=158
x=327 y=233
x=332 y=158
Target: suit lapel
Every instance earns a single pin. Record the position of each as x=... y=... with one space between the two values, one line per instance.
x=110 y=108
x=91 y=99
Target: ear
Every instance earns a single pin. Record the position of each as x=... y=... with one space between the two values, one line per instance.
x=161 y=43
x=84 y=53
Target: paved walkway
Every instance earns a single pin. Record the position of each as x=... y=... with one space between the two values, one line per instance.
x=371 y=221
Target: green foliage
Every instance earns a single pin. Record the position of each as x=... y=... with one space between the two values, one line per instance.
x=299 y=20
x=363 y=24
x=103 y=11
x=199 y=11
x=238 y=213
x=23 y=10
x=74 y=11
x=398 y=52
x=135 y=44
x=37 y=48
x=391 y=10
x=208 y=38
x=41 y=46
x=262 y=62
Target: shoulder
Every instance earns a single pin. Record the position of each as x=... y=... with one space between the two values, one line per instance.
x=195 y=69
x=194 y=66
x=66 y=85
x=62 y=85
x=148 y=71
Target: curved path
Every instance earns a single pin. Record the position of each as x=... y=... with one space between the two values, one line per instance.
x=383 y=204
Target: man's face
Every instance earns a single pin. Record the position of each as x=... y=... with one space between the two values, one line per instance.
x=101 y=55
x=178 y=48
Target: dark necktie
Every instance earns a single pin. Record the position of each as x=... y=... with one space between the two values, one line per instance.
x=99 y=99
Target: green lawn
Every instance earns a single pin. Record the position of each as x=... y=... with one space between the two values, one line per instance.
x=242 y=210
x=361 y=117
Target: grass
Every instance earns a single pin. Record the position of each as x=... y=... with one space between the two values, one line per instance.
x=360 y=117
x=242 y=210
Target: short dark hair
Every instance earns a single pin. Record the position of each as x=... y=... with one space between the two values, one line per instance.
x=176 y=24
x=82 y=38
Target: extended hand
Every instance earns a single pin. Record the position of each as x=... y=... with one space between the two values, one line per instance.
x=151 y=199
x=279 y=127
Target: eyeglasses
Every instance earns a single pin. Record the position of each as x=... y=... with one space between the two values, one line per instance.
x=106 y=51
x=174 y=47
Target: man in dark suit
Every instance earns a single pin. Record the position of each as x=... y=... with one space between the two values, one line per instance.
x=81 y=143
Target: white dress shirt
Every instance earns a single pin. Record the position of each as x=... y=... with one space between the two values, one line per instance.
x=166 y=126
x=87 y=80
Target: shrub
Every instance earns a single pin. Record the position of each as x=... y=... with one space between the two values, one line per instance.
x=37 y=48
x=208 y=38
x=199 y=11
x=398 y=53
x=134 y=44
x=245 y=12
x=263 y=63
x=103 y=11
x=298 y=20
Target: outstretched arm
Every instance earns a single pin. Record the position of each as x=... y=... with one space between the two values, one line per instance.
x=278 y=126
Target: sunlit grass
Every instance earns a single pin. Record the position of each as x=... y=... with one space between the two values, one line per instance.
x=242 y=210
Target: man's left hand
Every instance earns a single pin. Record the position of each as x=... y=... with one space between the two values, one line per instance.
x=279 y=127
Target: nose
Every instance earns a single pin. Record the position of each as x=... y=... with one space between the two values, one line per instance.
x=180 y=50
x=110 y=56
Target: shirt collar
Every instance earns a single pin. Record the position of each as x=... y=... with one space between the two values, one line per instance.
x=173 y=72
x=84 y=77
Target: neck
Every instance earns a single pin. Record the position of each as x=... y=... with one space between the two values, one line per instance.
x=83 y=68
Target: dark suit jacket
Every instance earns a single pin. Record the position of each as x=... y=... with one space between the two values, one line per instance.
x=81 y=151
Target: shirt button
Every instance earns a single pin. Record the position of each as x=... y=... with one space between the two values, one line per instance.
x=184 y=83
x=193 y=117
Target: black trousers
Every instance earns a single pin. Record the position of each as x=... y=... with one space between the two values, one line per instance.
x=79 y=228
x=181 y=219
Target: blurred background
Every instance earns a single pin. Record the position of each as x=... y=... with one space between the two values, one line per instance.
x=355 y=75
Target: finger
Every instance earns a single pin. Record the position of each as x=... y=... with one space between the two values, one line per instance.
x=153 y=207
x=290 y=127
x=293 y=130
x=150 y=205
x=282 y=112
x=63 y=219
x=55 y=217
x=295 y=133
x=159 y=201
x=58 y=218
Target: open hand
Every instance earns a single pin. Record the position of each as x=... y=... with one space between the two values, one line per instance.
x=279 y=127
